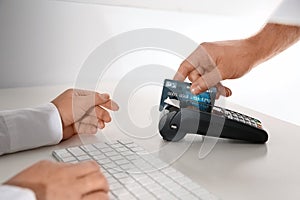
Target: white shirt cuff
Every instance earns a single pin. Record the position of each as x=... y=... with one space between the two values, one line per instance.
x=287 y=13
x=16 y=193
x=32 y=127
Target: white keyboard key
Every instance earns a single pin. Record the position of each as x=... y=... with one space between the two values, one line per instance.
x=68 y=159
x=103 y=161
x=139 y=176
x=116 y=157
x=63 y=153
x=111 y=153
x=172 y=186
x=126 y=180
x=100 y=145
x=111 y=196
x=111 y=180
x=139 y=190
x=131 y=145
x=127 y=153
x=132 y=157
x=106 y=149
x=130 y=186
x=83 y=158
x=99 y=157
x=110 y=165
x=121 y=161
x=127 y=166
x=163 y=194
x=120 y=175
x=116 y=145
x=155 y=188
x=121 y=149
x=189 y=197
x=115 y=185
x=73 y=162
x=127 y=196
x=137 y=149
x=95 y=153
x=168 y=170
x=148 y=196
x=120 y=192
x=88 y=148
x=181 y=192
x=182 y=180
x=164 y=180
x=125 y=142
x=156 y=174
x=146 y=182
x=76 y=151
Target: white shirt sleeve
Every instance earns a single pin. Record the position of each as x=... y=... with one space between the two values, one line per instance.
x=15 y=193
x=288 y=13
x=29 y=128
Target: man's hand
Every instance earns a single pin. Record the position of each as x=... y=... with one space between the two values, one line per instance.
x=213 y=62
x=61 y=181
x=83 y=111
x=203 y=69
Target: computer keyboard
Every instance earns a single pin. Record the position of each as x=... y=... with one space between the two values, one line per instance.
x=133 y=173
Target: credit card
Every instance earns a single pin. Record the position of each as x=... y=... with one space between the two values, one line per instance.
x=176 y=90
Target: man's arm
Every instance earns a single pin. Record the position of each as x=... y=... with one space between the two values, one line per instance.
x=213 y=62
x=72 y=112
x=271 y=40
x=29 y=128
x=234 y=58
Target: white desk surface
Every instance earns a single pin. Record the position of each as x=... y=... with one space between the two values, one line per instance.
x=233 y=170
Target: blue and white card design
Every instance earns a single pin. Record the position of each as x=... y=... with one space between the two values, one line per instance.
x=180 y=91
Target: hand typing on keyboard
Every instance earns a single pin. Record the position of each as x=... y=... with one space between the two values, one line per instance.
x=52 y=181
x=133 y=173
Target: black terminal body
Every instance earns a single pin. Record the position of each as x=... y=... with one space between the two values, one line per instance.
x=175 y=123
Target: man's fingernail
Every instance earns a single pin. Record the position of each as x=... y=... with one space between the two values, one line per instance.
x=228 y=92
x=104 y=96
x=115 y=107
x=195 y=89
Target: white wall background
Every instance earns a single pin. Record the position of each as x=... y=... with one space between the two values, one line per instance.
x=46 y=42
